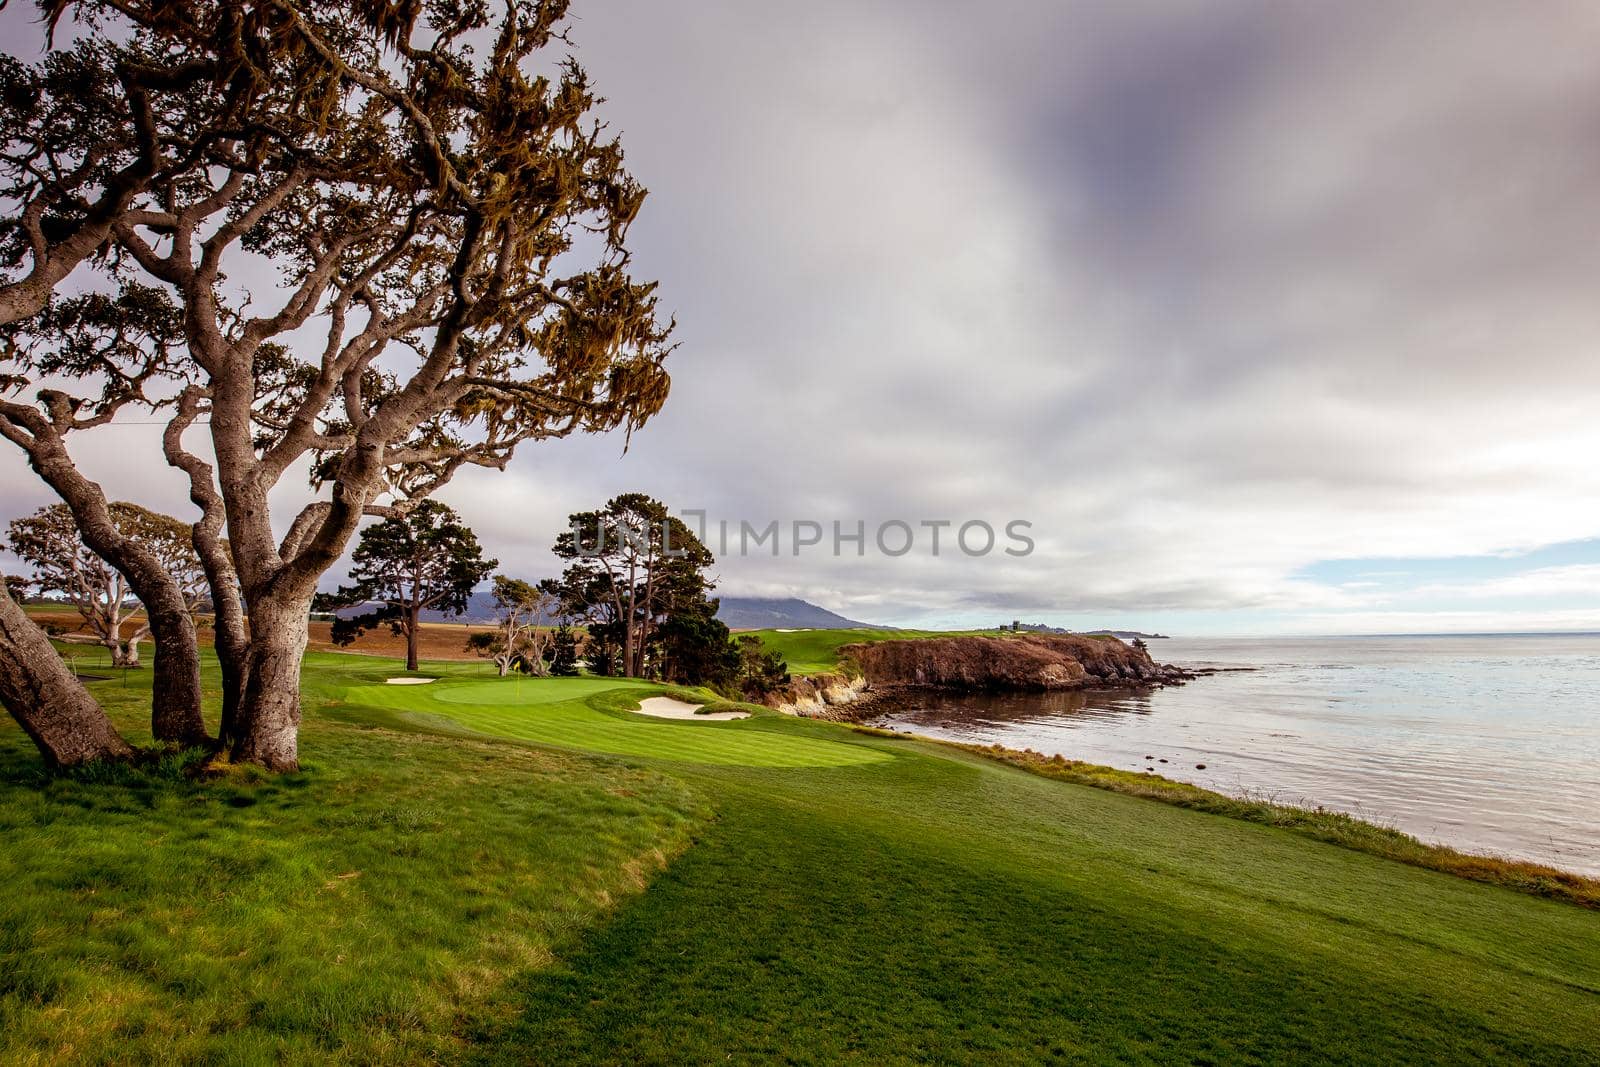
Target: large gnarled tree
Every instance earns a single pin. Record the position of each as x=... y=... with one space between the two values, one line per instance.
x=447 y=222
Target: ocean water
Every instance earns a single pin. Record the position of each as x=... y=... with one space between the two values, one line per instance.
x=1487 y=743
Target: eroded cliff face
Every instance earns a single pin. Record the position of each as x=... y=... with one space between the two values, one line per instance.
x=820 y=696
x=872 y=672
x=1021 y=661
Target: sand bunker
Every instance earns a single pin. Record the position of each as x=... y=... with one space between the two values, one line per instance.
x=667 y=708
x=409 y=681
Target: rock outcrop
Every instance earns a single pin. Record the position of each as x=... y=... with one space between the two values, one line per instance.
x=1021 y=661
x=876 y=673
x=820 y=696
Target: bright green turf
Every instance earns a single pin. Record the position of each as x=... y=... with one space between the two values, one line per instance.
x=357 y=911
x=928 y=907
x=591 y=714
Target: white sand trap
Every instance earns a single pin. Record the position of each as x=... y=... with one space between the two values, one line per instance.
x=801 y=630
x=667 y=708
x=409 y=681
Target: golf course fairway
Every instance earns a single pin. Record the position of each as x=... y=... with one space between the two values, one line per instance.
x=477 y=870
x=595 y=715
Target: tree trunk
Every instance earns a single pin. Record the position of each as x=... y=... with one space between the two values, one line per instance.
x=231 y=636
x=413 y=624
x=47 y=700
x=124 y=654
x=268 y=721
x=230 y=629
x=175 y=706
x=627 y=642
x=176 y=714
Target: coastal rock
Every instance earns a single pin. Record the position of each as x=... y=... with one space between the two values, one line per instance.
x=1021 y=661
x=821 y=696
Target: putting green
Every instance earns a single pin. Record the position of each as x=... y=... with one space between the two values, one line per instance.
x=573 y=713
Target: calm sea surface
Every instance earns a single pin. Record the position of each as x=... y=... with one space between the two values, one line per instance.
x=1487 y=743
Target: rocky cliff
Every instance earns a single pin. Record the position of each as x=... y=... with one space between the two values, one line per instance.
x=820 y=696
x=1020 y=661
x=871 y=674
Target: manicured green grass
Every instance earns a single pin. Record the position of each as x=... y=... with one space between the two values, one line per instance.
x=929 y=905
x=592 y=714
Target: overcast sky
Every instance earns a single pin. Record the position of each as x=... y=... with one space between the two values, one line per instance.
x=1268 y=317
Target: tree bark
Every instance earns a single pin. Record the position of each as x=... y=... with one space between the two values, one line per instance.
x=232 y=640
x=413 y=624
x=230 y=633
x=47 y=700
x=230 y=628
x=175 y=706
x=268 y=722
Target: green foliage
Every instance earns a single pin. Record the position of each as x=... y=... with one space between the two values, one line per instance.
x=422 y=560
x=760 y=671
x=518 y=640
x=632 y=568
x=564 y=652
x=696 y=648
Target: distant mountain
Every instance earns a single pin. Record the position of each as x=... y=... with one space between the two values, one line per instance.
x=762 y=613
x=739 y=613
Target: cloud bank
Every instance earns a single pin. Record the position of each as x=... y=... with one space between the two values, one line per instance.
x=1208 y=292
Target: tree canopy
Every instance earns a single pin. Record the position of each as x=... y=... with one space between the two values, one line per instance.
x=444 y=220
x=521 y=637
x=63 y=566
x=638 y=577
x=424 y=560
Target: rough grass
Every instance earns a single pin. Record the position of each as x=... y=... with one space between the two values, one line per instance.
x=362 y=910
x=951 y=909
x=422 y=895
x=1335 y=827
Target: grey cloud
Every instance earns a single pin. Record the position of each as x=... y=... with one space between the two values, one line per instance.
x=1207 y=291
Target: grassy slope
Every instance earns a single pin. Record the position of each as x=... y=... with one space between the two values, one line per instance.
x=367 y=906
x=927 y=904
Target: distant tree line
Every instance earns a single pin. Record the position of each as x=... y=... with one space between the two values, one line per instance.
x=634 y=599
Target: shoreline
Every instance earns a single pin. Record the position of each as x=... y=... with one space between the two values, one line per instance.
x=1323 y=824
